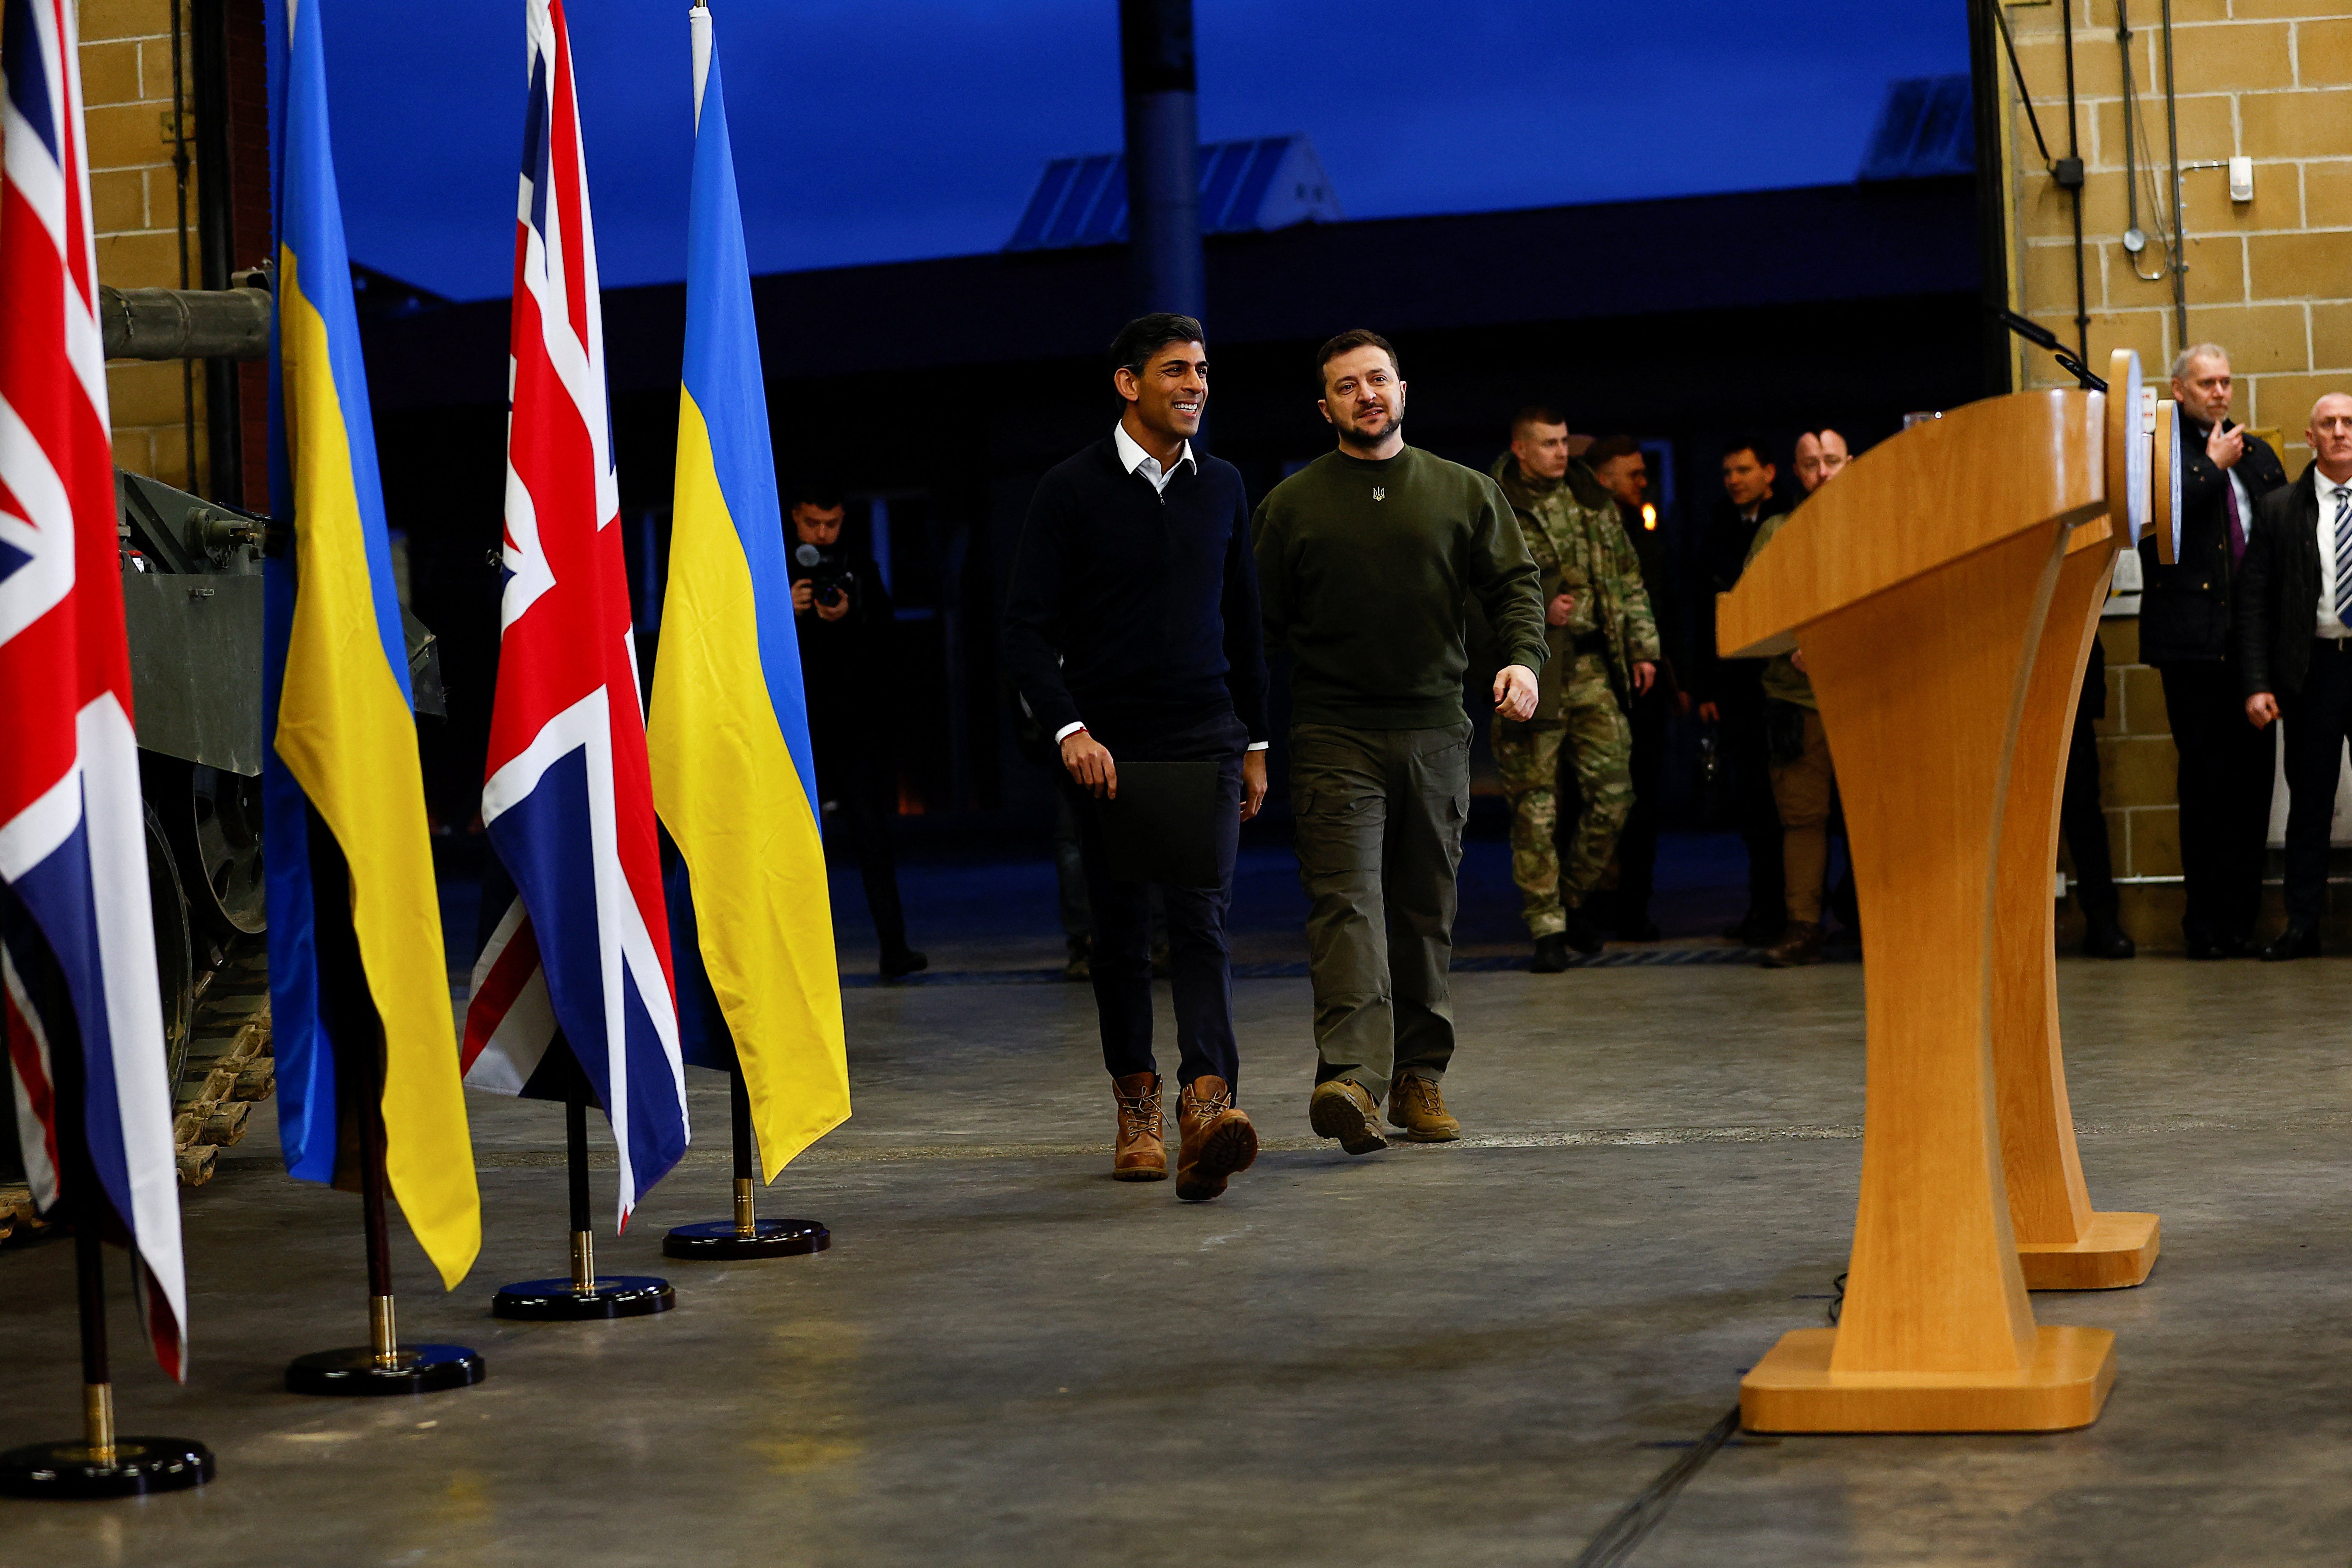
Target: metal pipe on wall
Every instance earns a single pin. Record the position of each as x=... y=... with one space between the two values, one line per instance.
x=215 y=240
x=2071 y=177
x=1163 y=136
x=2173 y=149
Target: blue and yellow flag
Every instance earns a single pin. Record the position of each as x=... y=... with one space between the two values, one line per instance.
x=734 y=778
x=342 y=763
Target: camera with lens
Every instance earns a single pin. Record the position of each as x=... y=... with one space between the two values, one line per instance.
x=829 y=574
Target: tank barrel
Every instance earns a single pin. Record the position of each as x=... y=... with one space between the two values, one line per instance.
x=185 y=323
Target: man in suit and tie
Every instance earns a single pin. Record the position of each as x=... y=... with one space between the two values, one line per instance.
x=2224 y=780
x=2294 y=625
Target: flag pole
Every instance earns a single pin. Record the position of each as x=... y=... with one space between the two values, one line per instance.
x=383 y=1365
x=103 y=1464
x=585 y=1296
x=747 y=1235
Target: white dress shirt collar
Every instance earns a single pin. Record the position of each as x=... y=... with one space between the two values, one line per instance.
x=2332 y=622
x=1135 y=460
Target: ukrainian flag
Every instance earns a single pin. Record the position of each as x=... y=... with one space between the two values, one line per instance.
x=734 y=778
x=344 y=796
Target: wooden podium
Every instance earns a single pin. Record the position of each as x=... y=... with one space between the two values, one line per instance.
x=2063 y=1244
x=1923 y=581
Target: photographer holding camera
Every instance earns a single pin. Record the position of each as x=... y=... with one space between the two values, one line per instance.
x=842 y=610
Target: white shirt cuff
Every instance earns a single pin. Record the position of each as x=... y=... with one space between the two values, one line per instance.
x=1257 y=745
x=1065 y=732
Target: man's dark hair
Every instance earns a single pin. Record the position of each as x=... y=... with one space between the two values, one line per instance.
x=1536 y=413
x=1348 y=342
x=1753 y=446
x=1146 y=336
x=1609 y=449
x=820 y=493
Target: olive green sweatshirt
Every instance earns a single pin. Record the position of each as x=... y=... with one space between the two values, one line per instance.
x=1366 y=571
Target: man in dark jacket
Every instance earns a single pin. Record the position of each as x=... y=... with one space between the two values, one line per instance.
x=842 y=610
x=2295 y=617
x=1132 y=629
x=1731 y=691
x=2184 y=630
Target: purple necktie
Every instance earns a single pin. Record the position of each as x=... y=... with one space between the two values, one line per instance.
x=2237 y=524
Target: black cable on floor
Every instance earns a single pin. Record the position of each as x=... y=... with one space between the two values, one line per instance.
x=1615 y=1543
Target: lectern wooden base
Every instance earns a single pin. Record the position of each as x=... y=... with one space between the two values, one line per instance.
x=2116 y=1250
x=1793 y=1390
x=1920 y=585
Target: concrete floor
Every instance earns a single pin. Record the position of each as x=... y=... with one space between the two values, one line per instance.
x=1475 y=1353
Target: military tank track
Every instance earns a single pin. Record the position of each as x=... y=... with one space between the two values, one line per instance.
x=228 y=1068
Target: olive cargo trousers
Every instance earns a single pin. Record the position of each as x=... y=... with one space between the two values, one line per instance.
x=1378 y=819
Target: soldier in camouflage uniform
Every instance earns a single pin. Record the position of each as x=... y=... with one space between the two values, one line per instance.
x=1604 y=650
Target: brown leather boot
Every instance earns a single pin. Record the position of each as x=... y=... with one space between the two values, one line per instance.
x=1800 y=945
x=1416 y=1105
x=1343 y=1109
x=1141 y=1154
x=1218 y=1139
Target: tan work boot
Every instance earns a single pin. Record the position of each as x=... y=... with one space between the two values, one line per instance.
x=1217 y=1139
x=1800 y=945
x=1416 y=1105
x=1141 y=1154
x=1343 y=1109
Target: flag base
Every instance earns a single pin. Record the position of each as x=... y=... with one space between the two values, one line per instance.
x=559 y=1300
x=135 y=1467
x=412 y=1369
x=719 y=1240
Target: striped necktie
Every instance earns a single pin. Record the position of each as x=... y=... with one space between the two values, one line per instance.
x=2343 y=552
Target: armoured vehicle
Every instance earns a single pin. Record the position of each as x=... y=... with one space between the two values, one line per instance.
x=192 y=580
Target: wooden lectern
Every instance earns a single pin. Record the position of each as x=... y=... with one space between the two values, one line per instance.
x=2063 y=1244
x=1922 y=581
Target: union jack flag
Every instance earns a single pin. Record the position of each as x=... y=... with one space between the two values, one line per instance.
x=579 y=947
x=84 y=1023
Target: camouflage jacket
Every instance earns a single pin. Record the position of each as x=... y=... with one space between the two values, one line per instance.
x=1582 y=550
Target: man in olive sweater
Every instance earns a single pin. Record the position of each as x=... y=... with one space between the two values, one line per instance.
x=1367 y=560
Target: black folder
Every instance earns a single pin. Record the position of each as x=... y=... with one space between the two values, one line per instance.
x=1162 y=828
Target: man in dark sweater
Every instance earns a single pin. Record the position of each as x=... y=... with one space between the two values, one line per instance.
x=2226 y=765
x=1368 y=558
x=1132 y=630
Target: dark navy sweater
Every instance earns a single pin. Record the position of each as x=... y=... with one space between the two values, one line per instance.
x=1133 y=612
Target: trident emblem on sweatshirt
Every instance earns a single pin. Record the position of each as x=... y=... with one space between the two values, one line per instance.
x=1379 y=492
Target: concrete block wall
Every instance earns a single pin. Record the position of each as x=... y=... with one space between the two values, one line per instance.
x=2136 y=771
x=126 y=72
x=2269 y=279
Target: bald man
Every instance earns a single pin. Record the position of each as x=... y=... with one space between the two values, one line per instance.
x=2294 y=623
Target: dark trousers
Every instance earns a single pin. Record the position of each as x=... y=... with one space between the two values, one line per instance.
x=1378 y=826
x=1070 y=864
x=853 y=774
x=2317 y=721
x=1749 y=750
x=2226 y=767
x=1200 y=968
x=2086 y=826
x=1637 y=841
